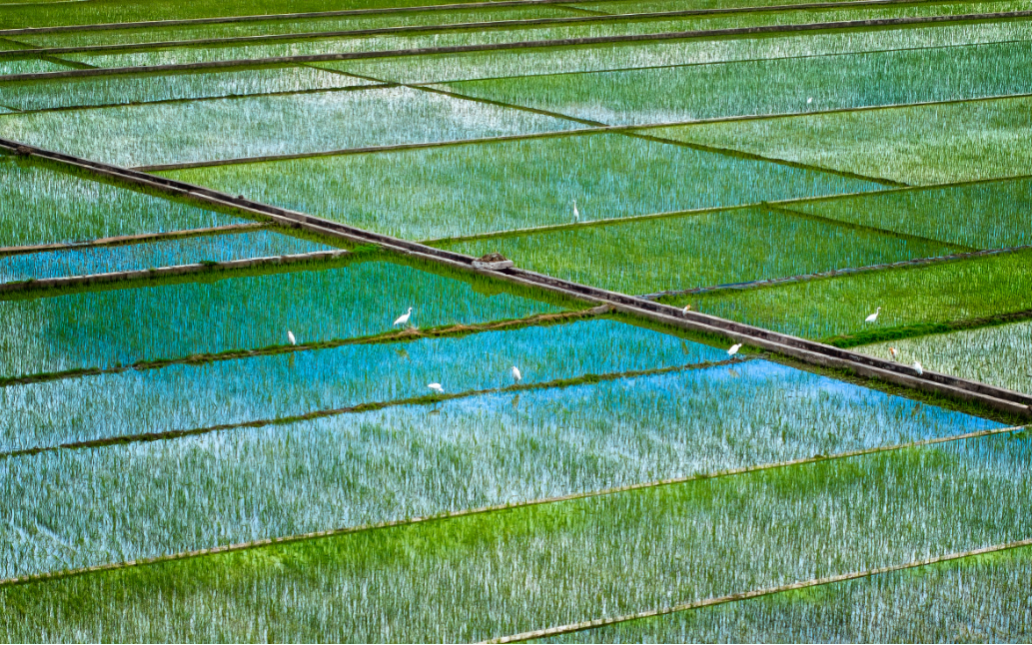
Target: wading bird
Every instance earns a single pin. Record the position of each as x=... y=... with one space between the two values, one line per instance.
x=734 y=349
x=436 y=387
x=290 y=337
x=686 y=309
x=516 y=374
x=917 y=366
x=809 y=100
x=404 y=318
x=873 y=317
x=894 y=352
x=576 y=213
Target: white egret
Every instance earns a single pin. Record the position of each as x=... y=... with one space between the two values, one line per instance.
x=873 y=317
x=404 y=318
x=734 y=349
x=918 y=368
x=436 y=387
x=686 y=309
x=894 y=352
x=516 y=374
x=290 y=337
x=576 y=213
x=809 y=100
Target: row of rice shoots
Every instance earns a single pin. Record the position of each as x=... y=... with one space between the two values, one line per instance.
x=300 y=26
x=909 y=298
x=166 y=133
x=147 y=498
x=978 y=599
x=173 y=319
x=770 y=86
x=714 y=248
x=21 y=15
x=45 y=206
x=488 y=575
x=144 y=88
x=314 y=46
x=30 y=66
x=212 y=393
x=474 y=189
x=1000 y=356
x=914 y=145
x=482 y=65
x=983 y=215
x=163 y=253
x=645 y=6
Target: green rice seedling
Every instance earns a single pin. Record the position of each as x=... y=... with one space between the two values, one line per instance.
x=483 y=188
x=168 y=133
x=1000 y=356
x=108 y=90
x=714 y=248
x=984 y=215
x=837 y=307
x=43 y=206
x=556 y=60
x=769 y=86
x=173 y=319
x=492 y=574
x=914 y=145
x=163 y=253
x=300 y=26
x=982 y=598
x=165 y=398
x=314 y=46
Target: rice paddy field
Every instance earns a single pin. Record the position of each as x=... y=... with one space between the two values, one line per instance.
x=753 y=364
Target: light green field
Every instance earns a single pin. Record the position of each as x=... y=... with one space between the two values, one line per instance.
x=176 y=33
x=769 y=86
x=975 y=599
x=914 y=145
x=44 y=206
x=466 y=190
x=107 y=90
x=124 y=500
x=14 y=16
x=556 y=60
x=168 y=133
x=908 y=298
x=699 y=250
x=985 y=215
x=1000 y=356
x=484 y=576
x=408 y=448
x=309 y=46
x=227 y=311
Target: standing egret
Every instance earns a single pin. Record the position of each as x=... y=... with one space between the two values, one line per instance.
x=576 y=213
x=516 y=374
x=734 y=349
x=436 y=387
x=894 y=353
x=918 y=368
x=404 y=318
x=290 y=337
x=873 y=317
x=686 y=309
x=809 y=100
